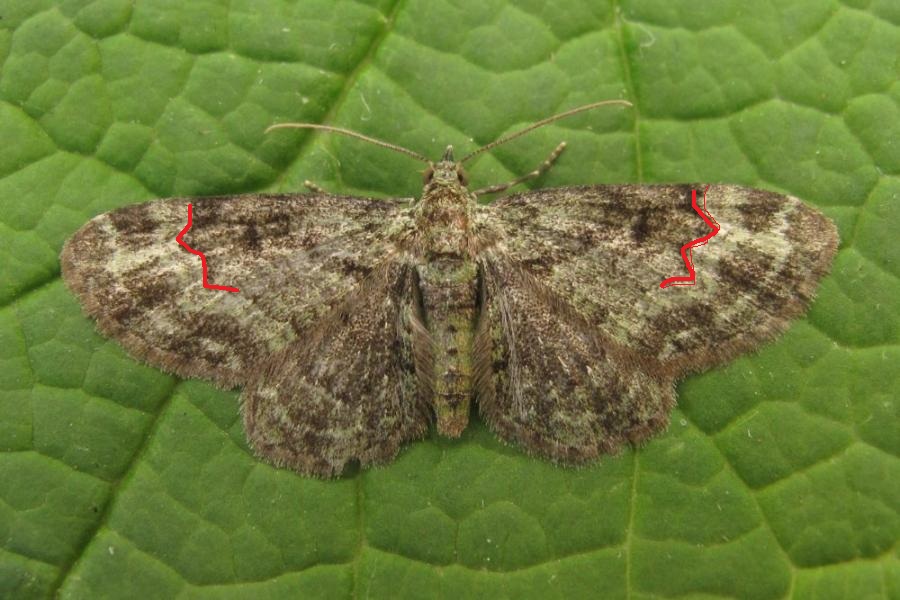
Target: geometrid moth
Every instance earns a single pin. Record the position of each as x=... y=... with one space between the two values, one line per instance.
x=358 y=322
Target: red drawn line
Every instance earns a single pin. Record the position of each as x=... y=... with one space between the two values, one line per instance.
x=180 y=239
x=687 y=250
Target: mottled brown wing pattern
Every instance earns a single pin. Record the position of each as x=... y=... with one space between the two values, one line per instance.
x=575 y=350
x=547 y=381
x=578 y=348
x=605 y=250
x=291 y=256
x=355 y=386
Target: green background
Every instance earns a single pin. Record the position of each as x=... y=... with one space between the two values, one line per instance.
x=779 y=475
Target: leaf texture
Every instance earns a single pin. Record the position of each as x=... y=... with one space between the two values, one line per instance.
x=779 y=474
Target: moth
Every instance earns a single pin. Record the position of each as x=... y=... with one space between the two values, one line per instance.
x=358 y=322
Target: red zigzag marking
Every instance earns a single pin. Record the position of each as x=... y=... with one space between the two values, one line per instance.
x=686 y=250
x=180 y=239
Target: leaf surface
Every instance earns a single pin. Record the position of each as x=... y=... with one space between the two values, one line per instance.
x=779 y=475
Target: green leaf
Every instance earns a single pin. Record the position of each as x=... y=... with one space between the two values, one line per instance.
x=779 y=475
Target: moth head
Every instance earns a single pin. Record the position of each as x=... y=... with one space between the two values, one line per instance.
x=446 y=172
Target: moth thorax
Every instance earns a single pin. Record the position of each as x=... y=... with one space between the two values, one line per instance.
x=443 y=218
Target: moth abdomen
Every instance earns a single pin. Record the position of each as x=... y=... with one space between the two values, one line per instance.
x=449 y=296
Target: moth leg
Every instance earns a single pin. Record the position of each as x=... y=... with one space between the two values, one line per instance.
x=541 y=169
x=315 y=188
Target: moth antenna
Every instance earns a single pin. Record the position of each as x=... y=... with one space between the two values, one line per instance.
x=349 y=133
x=543 y=122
